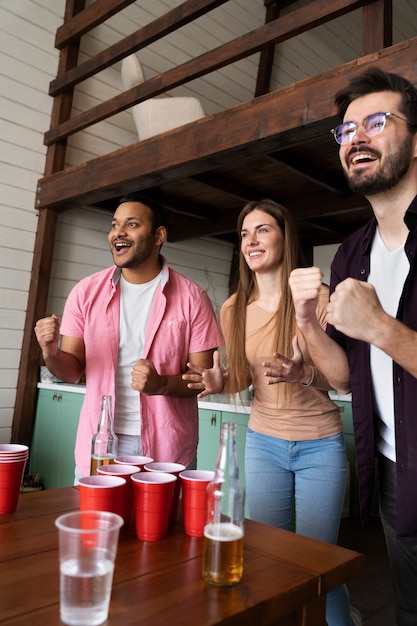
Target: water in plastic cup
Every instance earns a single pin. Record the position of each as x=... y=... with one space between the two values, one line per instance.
x=87 y=550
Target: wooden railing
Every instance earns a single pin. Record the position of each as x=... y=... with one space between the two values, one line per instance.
x=377 y=24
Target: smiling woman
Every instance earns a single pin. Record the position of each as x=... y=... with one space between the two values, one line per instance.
x=295 y=459
x=262 y=245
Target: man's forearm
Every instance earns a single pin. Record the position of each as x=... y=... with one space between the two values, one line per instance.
x=327 y=356
x=64 y=366
x=174 y=385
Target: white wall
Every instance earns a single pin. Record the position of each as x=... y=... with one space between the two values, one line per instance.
x=323 y=257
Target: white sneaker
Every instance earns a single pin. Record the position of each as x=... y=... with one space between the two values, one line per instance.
x=356 y=616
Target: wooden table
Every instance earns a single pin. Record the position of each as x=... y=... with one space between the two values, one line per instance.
x=285 y=576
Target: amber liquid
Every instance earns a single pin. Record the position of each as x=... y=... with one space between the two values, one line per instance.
x=222 y=554
x=96 y=461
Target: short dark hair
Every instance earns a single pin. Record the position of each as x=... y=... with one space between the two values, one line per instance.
x=375 y=80
x=158 y=211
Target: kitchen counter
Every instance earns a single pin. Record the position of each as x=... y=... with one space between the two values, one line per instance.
x=215 y=403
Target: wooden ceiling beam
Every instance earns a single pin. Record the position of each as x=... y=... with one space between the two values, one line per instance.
x=309 y=171
x=221 y=183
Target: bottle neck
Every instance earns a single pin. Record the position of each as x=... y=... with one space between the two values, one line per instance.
x=105 y=423
x=227 y=464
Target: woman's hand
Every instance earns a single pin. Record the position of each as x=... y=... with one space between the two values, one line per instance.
x=284 y=370
x=209 y=380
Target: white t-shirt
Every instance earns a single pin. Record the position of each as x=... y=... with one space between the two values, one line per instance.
x=135 y=306
x=389 y=269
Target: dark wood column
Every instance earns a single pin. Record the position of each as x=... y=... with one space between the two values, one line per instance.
x=377 y=26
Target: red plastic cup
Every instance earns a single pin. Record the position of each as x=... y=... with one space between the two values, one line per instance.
x=194 y=485
x=102 y=493
x=153 y=493
x=123 y=471
x=139 y=461
x=169 y=468
x=11 y=476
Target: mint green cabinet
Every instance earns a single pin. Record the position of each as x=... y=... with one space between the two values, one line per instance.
x=209 y=437
x=52 y=449
x=210 y=422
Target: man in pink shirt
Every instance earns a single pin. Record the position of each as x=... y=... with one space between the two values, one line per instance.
x=132 y=328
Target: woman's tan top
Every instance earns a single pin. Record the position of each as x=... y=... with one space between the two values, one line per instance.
x=311 y=414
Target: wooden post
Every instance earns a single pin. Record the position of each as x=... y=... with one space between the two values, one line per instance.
x=377 y=26
x=24 y=410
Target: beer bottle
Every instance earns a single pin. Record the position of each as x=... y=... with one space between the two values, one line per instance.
x=224 y=524
x=104 y=444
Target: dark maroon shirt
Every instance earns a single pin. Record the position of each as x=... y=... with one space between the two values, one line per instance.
x=353 y=259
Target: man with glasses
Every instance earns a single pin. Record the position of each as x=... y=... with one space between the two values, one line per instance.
x=370 y=346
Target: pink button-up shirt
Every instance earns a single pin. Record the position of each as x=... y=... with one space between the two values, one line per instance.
x=181 y=322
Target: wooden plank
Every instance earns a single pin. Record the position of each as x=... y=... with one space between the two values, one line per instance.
x=313 y=555
x=87 y=19
x=281 y=29
x=247 y=129
x=166 y=24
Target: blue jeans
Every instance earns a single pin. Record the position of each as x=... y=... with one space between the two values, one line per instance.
x=300 y=486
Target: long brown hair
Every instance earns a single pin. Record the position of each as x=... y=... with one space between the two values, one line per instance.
x=284 y=322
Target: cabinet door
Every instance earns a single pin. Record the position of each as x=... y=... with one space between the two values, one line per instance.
x=67 y=430
x=209 y=438
x=52 y=449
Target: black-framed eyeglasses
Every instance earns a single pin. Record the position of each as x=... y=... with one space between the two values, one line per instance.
x=372 y=125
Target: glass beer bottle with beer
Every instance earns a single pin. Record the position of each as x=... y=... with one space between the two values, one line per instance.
x=224 y=525
x=104 y=444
